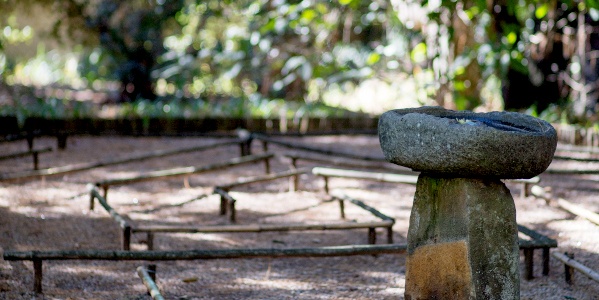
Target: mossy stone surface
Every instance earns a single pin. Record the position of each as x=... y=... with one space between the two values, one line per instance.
x=434 y=140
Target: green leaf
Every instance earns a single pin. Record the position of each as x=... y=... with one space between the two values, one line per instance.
x=512 y=37
x=373 y=58
x=418 y=54
x=308 y=15
x=541 y=11
x=592 y=4
x=345 y=2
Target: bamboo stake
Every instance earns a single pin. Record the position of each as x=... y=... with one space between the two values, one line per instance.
x=577 y=265
x=572 y=208
x=225 y=198
x=528 y=264
x=149 y=283
x=37 y=276
x=110 y=162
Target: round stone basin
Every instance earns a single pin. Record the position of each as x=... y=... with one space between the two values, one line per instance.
x=435 y=140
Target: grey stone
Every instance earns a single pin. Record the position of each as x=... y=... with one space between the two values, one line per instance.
x=465 y=144
x=462 y=240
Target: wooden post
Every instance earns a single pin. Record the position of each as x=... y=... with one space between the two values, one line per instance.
x=249 y=145
x=371 y=235
x=326 y=184
x=568 y=270
x=30 y=140
x=127 y=238
x=105 y=190
x=528 y=263
x=61 y=140
x=91 y=201
x=293 y=181
x=267 y=165
x=150 y=241
x=390 y=235
x=265 y=146
x=37 y=276
x=35 y=160
x=545 y=261
x=152 y=271
x=233 y=216
x=223 y=205
x=524 y=192
x=342 y=208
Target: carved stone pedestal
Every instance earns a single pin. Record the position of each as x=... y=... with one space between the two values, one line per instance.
x=462 y=241
x=463 y=236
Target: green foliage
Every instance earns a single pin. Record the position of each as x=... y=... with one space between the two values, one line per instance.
x=248 y=57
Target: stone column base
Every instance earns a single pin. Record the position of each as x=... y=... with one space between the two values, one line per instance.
x=462 y=240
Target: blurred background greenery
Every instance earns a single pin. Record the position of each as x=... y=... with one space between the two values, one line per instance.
x=296 y=58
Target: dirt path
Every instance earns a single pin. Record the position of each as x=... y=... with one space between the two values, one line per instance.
x=53 y=213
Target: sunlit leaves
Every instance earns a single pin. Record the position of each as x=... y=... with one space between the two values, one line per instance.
x=541 y=10
x=373 y=58
x=418 y=54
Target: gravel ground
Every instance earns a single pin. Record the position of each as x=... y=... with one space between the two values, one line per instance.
x=53 y=214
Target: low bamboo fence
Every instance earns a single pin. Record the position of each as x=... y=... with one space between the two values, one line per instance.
x=37 y=257
x=109 y=162
x=33 y=152
x=571 y=265
x=185 y=171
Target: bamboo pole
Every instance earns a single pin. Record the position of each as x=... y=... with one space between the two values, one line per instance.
x=587 y=159
x=382 y=177
x=265 y=138
x=25 y=153
x=577 y=265
x=260 y=227
x=184 y=171
x=268 y=177
x=537 y=236
x=572 y=171
x=572 y=208
x=119 y=255
x=124 y=224
x=344 y=162
x=109 y=162
x=583 y=149
x=149 y=283
x=366 y=207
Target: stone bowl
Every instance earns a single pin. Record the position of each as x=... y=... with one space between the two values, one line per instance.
x=435 y=140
